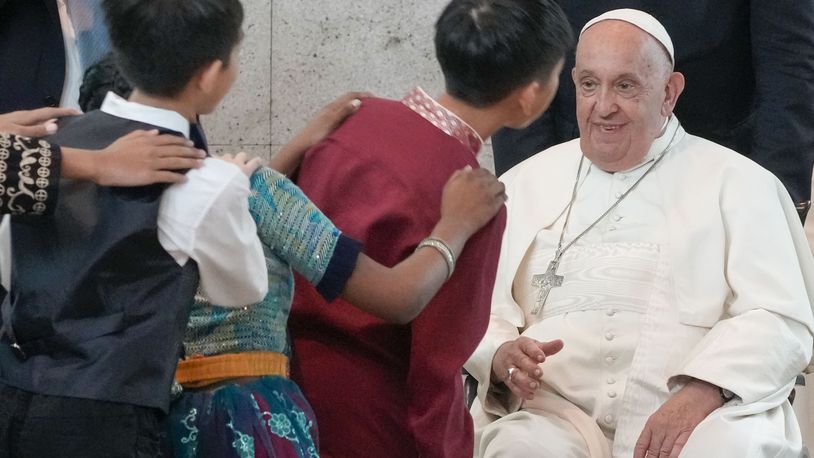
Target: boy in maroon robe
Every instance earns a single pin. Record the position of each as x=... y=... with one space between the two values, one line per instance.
x=383 y=390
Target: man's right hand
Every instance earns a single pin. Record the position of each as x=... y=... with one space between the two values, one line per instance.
x=517 y=364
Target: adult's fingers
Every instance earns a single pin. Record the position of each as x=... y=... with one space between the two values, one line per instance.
x=153 y=138
x=38 y=130
x=657 y=438
x=642 y=444
x=520 y=389
x=552 y=347
x=532 y=350
x=514 y=355
x=175 y=162
x=169 y=140
x=44 y=114
x=342 y=107
x=348 y=106
x=179 y=150
x=139 y=133
x=679 y=444
x=348 y=97
x=164 y=176
x=666 y=447
x=359 y=95
x=524 y=382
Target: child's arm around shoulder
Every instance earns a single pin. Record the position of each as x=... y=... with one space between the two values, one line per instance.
x=207 y=219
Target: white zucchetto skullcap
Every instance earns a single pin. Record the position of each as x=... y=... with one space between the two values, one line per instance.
x=641 y=20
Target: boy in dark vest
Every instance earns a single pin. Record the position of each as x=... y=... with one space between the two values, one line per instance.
x=101 y=290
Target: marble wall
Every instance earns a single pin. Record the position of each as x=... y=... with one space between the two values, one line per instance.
x=299 y=55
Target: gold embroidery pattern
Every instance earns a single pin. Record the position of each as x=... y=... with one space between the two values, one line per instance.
x=31 y=192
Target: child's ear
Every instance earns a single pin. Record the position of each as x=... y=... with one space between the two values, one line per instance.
x=528 y=97
x=208 y=77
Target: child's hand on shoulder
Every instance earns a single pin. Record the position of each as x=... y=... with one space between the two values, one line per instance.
x=247 y=164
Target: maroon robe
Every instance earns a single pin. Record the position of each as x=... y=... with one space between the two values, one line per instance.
x=383 y=390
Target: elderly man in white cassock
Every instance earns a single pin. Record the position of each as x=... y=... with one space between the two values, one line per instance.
x=653 y=296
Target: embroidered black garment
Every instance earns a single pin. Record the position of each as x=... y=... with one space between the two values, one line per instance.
x=29 y=175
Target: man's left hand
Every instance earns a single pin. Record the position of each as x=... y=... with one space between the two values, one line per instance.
x=668 y=429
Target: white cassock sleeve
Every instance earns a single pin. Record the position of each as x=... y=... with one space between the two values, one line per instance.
x=764 y=338
x=207 y=219
x=506 y=320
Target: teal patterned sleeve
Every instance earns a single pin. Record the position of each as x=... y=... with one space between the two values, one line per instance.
x=300 y=234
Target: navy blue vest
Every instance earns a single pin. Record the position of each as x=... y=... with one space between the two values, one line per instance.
x=98 y=307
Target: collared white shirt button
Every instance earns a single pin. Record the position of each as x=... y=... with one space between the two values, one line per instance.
x=611 y=394
x=611 y=380
x=610 y=312
x=611 y=228
x=609 y=336
x=617 y=218
x=617 y=195
x=610 y=359
x=608 y=419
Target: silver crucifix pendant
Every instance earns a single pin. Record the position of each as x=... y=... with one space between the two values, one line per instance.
x=546 y=282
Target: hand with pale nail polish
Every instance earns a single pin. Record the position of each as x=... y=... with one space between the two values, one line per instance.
x=326 y=121
x=34 y=123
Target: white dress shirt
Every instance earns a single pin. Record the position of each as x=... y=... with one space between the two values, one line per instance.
x=206 y=218
x=73 y=67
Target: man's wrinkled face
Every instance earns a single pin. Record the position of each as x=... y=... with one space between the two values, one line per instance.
x=621 y=77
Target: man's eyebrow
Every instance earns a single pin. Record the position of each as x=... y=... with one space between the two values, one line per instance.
x=626 y=75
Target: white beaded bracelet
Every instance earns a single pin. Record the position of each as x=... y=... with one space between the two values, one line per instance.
x=442 y=248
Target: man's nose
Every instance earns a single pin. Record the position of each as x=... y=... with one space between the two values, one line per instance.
x=606 y=102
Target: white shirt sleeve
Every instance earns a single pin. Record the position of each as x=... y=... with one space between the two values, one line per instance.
x=207 y=219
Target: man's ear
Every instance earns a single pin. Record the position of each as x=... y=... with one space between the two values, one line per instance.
x=207 y=79
x=675 y=86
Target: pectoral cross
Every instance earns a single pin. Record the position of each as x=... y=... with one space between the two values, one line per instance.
x=546 y=282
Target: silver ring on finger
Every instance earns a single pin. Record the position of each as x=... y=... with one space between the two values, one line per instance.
x=511 y=371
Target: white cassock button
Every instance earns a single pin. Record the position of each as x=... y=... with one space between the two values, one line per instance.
x=608 y=419
x=617 y=218
x=611 y=394
x=621 y=176
x=617 y=195
x=610 y=312
x=609 y=336
x=610 y=359
x=611 y=380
